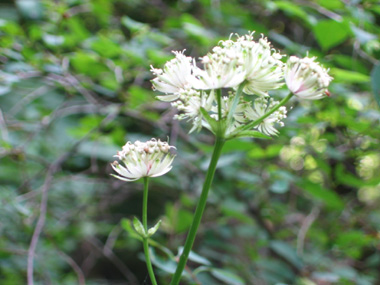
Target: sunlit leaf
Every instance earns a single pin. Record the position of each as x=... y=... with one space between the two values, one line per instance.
x=330 y=33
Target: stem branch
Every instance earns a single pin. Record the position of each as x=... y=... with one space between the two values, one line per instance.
x=266 y=115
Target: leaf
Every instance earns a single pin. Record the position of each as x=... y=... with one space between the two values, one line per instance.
x=250 y=134
x=375 y=83
x=286 y=252
x=167 y=265
x=53 y=40
x=280 y=186
x=154 y=229
x=328 y=197
x=195 y=257
x=362 y=36
x=30 y=9
x=331 y=4
x=133 y=25
x=294 y=10
x=347 y=76
x=127 y=226
x=227 y=276
x=106 y=47
x=139 y=227
x=330 y=33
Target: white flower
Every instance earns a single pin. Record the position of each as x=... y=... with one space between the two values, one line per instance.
x=307 y=79
x=260 y=107
x=262 y=64
x=176 y=75
x=222 y=69
x=144 y=159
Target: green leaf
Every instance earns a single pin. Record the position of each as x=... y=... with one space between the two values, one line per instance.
x=227 y=276
x=127 y=226
x=330 y=33
x=53 y=40
x=106 y=47
x=88 y=63
x=195 y=257
x=347 y=76
x=30 y=9
x=280 y=186
x=178 y=219
x=250 y=134
x=375 y=83
x=328 y=197
x=286 y=252
x=133 y=25
x=139 y=228
x=294 y=10
x=138 y=96
x=167 y=265
x=331 y=4
x=154 y=229
x=362 y=36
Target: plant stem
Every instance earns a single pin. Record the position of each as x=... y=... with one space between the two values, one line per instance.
x=262 y=118
x=219 y=102
x=145 y=224
x=235 y=103
x=199 y=210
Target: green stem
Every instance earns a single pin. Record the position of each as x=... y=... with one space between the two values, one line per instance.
x=219 y=102
x=199 y=210
x=235 y=103
x=262 y=118
x=145 y=224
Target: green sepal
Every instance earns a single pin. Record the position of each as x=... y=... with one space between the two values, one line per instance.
x=248 y=134
x=154 y=229
x=139 y=228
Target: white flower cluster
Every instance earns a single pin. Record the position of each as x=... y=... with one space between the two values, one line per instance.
x=254 y=65
x=306 y=79
x=260 y=107
x=144 y=159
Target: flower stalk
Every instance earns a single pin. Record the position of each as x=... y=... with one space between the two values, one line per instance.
x=145 y=238
x=199 y=210
x=262 y=118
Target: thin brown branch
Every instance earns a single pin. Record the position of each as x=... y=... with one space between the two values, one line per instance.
x=28 y=98
x=74 y=266
x=309 y=220
x=3 y=127
x=52 y=169
x=42 y=217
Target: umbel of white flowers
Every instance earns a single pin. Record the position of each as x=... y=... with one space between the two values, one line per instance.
x=230 y=64
x=144 y=159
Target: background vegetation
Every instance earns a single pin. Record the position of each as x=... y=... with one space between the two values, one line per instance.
x=302 y=208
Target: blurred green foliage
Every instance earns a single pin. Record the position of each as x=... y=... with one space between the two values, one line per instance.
x=302 y=208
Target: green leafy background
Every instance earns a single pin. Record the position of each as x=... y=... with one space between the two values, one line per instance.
x=301 y=208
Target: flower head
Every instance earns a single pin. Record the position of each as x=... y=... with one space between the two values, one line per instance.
x=306 y=78
x=262 y=64
x=189 y=104
x=260 y=107
x=176 y=75
x=144 y=159
x=222 y=69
